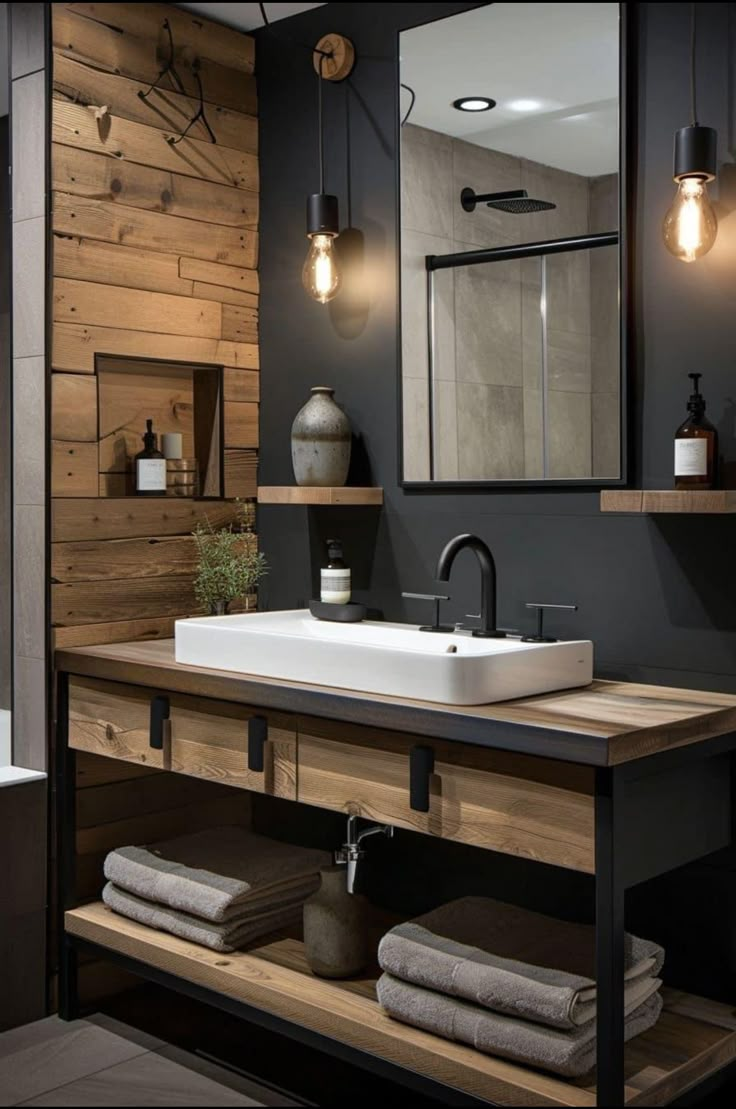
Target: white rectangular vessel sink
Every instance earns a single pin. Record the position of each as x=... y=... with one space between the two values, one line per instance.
x=392 y=659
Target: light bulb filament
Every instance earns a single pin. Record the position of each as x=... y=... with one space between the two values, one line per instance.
x=690 y=225
x=321 y=275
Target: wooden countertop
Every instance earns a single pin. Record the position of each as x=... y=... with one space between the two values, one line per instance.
x=604 y=724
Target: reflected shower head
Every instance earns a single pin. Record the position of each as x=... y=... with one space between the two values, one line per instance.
x=517 y=202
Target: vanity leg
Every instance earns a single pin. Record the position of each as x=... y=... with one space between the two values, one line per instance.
x=609 y=935
x=66 y=831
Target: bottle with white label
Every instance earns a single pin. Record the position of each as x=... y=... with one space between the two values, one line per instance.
x=150 y=467
x=696 y=445
x=335 y=576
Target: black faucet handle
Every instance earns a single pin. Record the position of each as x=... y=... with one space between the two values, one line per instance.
x=540 y=637
x=437 y=598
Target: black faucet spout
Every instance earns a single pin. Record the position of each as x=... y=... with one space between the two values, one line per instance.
x=487 y=579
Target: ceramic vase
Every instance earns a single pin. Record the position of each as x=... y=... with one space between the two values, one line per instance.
x=335 y=941
x=320 y=441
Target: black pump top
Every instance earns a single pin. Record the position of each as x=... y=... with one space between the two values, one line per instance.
x=334 y=550
x=696 y=403
x=150 y=438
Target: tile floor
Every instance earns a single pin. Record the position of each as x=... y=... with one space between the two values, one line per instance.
x=100 y=1061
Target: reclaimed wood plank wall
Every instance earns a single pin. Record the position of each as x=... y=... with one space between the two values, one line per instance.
x=155 y=256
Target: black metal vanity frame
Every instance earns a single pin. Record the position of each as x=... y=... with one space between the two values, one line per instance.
x=652 y=815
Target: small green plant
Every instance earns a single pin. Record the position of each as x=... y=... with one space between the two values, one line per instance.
x=228 y=565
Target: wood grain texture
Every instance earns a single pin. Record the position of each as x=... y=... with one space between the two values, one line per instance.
x=121 y=140
x=160 y=231
x=73 y=408
x=241 y=385
x=163 y=108
x=75 y=345
x=223 y=295
x=110 y=263
x=128 y=398
x=234 y=809
x=112 y=559
x=127 y=518
x=118 y=631
x=98 y=602
x=605 y=723
x=367 y=775
x=216 y=273
x=241 y=425
x=138 y=56
x=239 y=324
x=96 y=770
x=241 y=473
x=136 y=310
x=73 y=469
x=698 y=501
x=98 y=177
x=307 y=494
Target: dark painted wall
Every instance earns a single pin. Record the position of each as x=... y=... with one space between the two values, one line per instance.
x=658 y=596
x=6 y=578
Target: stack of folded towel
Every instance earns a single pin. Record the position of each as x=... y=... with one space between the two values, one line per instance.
x=221 y=888
x=511 y=982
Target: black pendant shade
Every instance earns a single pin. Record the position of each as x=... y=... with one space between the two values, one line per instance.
x=322 y=215
x=695 y=152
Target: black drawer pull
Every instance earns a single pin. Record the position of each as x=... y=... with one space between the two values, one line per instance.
x=421 y=768
x=257 y=736
x=160 y=710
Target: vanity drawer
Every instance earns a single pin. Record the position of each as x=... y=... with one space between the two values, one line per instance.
x=536 y=808
x=205 y=739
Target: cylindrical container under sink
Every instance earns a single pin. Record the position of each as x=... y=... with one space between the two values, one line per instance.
x=320 y=441
x=335 y=940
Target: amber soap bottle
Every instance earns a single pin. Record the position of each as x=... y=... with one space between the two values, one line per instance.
x=696 y=445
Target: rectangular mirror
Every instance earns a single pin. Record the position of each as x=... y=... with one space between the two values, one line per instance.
x=510 y=255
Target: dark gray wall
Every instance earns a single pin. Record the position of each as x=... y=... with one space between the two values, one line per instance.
x=6 y=579
x=657 y=595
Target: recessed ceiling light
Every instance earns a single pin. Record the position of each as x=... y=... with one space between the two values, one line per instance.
x=474 y=104
x=524 y=105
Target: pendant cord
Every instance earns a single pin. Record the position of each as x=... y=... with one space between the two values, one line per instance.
x=693 y=100
x=320 y=79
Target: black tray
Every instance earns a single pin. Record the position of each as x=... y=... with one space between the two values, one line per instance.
x=350 y=613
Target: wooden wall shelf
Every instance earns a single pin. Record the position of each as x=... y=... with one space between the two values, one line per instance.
x=710 y=501
x=692 y=1038
x=304 y=494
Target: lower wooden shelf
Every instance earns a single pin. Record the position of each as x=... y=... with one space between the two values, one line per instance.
x=320 y=495
x=693 y=1038
x=695 y=501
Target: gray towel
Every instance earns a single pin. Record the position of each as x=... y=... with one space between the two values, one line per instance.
x=512 y=961
x=218 y=937
x=213 y=874
x=567 y=1053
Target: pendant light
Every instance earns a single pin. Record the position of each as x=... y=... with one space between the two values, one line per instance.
x=690 y=226
x=333 y=61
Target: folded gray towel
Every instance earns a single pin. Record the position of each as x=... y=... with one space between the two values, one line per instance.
x=512 y=961
x=212 y=874
x=219 y=937
x=567 y=1053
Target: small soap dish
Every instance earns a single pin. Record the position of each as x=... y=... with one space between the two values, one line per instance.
x=350 y=613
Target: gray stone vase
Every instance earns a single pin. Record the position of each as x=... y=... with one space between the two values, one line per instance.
x=320 y=441
x=335 y=940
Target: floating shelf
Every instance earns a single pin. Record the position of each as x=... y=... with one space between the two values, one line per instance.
x=710 y=501
x=693 y=1038
x=309 y=494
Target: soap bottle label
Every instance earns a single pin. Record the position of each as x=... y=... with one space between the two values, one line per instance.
x=691 y=457
x=150 y=475
x=335 y=586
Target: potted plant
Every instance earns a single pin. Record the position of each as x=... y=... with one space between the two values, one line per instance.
x=228 y=565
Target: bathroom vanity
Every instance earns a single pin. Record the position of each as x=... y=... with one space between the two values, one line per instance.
x=615 y=780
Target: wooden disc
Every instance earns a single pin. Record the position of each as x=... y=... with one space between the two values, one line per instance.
x=340 y=63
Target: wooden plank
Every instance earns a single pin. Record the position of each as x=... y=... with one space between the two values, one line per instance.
x=163 y=108
x=75 y=520
x=89 y=260
x=241 y=425
x=107 y=560
x=309 y=494
x=73 y=469
x=128 y=399
x=75 y=346
x=73 y=408
x=239 y=324
x=241 y=385
x=121 y=631
x=621 y=500
x=241 y=474
x=203 y=38
x=103 y=602
x=703 y=501
x=80 y=173
x=96 y=770
x=139 y=57
x=141 y=795
x=234 y=809
x=232 y=277
x=135 y=309
x=159 y=231
x=223 y=295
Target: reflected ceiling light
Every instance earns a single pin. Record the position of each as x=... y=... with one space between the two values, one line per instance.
x=524 y=105
x=474 y=104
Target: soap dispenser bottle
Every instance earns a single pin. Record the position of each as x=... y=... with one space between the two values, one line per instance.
x=335 y=585
x=696 y=445
x=150 y=467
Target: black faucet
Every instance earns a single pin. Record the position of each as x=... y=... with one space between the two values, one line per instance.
x=482 y=552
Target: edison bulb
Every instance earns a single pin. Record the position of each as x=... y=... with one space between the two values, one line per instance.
x=690 y=226
x=321 y=275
